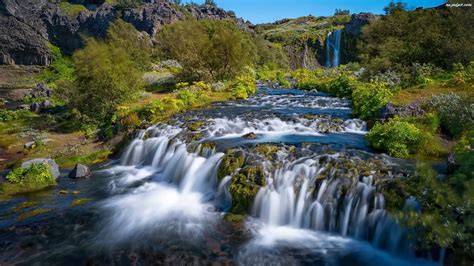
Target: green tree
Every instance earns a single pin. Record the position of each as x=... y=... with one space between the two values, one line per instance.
x=402 y=37
x=106 y=77
x=137 y=45
x=207 y=49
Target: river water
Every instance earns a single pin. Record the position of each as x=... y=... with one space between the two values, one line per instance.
x=317 y=199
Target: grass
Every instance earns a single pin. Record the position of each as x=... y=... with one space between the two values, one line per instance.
x=416 y=93
x=88 y=158
x=71 y=10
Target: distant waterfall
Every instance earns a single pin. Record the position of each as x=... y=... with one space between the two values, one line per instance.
x=333 y=49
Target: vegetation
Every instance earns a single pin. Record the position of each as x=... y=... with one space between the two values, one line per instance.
x=69 y=9
x=208 y=50
x=21 y=180
x=107 y=73
x=397 y=137
x=369 y=98
x=404 y=39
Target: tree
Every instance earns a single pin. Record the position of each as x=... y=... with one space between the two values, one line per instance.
x=207 y=49
x=425 y=36
x=108 y=72
x=138 y=46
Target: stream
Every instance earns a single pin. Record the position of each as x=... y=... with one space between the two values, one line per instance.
x=163 y=200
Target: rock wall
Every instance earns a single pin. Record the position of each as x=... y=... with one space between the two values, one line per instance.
x=33 y=23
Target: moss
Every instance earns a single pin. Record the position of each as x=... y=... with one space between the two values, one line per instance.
x=267 y=150
x=22 y=206
x=80 y=201
x=29 y=214
x=34 y=178
x=234 y=218
x=195 y=126
x=232 y=160
x=71 y=10
x=243 y=192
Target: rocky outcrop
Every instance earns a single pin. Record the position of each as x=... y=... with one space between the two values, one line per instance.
x=21 y=44
x=354 y=27
x=414 y=109
x=34 y=23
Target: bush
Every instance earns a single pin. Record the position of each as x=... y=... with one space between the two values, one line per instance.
x=396 y=137
x=456 y=113
x=208 y=50
x=369 y=98
x=36 y=177
x=61 y=67
x=244 y=85
x=108 y=73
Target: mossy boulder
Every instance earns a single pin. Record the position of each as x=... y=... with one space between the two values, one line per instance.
x=195 y=126
x=233 y=160
x=243 y=192
x=245 y=186
x=21 y=180
x=267 y=150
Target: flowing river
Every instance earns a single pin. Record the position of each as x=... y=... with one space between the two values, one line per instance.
x=316 y=194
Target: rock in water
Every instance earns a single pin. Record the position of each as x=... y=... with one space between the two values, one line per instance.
x=250 y=135
x=80 y=171
x=52 y=164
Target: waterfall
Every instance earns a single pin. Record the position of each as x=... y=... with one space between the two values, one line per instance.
x=166 y=189
x=333 y=48
x=296 y=197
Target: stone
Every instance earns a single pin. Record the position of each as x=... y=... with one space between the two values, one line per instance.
x=52 y=164
x=250 y=135
x=31 y=24
x=80 y=171
x=30 y=145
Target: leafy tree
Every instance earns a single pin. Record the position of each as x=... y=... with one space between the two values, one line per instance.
x=210 y=3
x=106 y=77
x=433 y=36
x=138 y=46
x=207 y=49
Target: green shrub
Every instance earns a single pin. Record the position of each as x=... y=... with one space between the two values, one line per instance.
x=8 y=115
x=61 y=68
x=397 y=137
x=444 y=217
x=456 y=113
x=208 y=50
x=369 y=98
x=36 y=177
x=244 y=85
x=72 y=10
x=188 y=97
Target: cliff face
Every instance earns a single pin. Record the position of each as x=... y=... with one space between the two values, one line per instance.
x=30 y=24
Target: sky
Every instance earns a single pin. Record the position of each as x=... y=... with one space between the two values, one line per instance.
x=263 y=11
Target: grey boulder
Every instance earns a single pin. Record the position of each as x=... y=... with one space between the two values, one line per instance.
x=80 y=171
x=52 y=164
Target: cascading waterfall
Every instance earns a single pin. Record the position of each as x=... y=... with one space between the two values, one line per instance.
x=294 y=197
x=333 y=48
x=167 y=188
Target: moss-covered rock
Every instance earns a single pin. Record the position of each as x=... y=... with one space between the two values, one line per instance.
x=267 y=150
x=243 y=192
x=34 y=178
x=195 y=126
x=233 y=160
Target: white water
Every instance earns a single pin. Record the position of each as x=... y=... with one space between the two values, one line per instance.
x=161 y=187
x=228 y=128
x=333 y=48
x=334 y=205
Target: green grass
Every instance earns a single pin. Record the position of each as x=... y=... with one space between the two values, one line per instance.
x=71 y=10
x=92 y=157
x=23 y=180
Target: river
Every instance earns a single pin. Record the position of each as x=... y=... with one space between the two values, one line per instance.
x=317 y=197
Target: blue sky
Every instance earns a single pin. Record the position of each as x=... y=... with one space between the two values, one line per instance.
x=262 y=11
